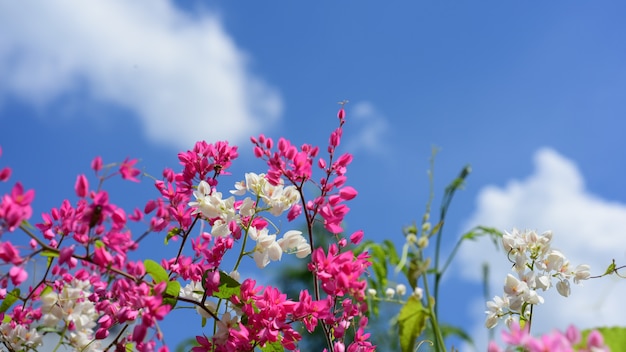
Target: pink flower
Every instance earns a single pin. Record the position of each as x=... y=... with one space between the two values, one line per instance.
x=17 y=275
x=128 y=171
x=82 y=186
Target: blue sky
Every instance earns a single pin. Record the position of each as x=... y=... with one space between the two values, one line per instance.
x=531 y=94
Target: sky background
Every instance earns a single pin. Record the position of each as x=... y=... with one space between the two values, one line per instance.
x=530 y=94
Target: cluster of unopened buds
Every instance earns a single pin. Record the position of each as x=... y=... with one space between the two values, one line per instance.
x=535 y=265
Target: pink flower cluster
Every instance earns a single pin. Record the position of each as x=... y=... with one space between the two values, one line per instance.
x=91 y=285
x=570 y=340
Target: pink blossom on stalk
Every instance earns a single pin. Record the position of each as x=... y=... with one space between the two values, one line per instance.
x=82 y=186
x=128 y=170
x=96 y=164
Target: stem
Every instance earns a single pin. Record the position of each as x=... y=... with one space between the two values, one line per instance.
x=439 y=341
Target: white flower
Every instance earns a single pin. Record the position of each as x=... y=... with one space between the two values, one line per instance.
x=495 y=309
x=371 y=292
x=563 y=287
x=390 y=292
x=247 y=207
x=294 y=243
x=194 y=291
x=18 y=337
x=401 y=289
x=266 y=248
x=211 y=204
x=582 y=272
x=72 y=305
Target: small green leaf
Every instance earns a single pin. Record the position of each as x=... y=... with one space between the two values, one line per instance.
x=411 y=323
x=45 y=291
x=10 y=298
x=228 y=287
x=100 y=244
x=610 y=269
x=155 y=270
x=170 y=296
x=172 y=233
x=203 y=321
x=130 y=347
x=275 y=346
x=47 y=253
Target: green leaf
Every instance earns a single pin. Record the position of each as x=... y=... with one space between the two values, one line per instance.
x=99 y=244
x=411 y=322
x=228 y=287
x=275 y=346
x=610 y=269
x=171 y=293
x=10 y=298
x=130 y=347
x=47 y=253
x=449 y=330
x=45 y=291
x=614 y=337
x=172 y=233
x=392 y=254
x=155 y=270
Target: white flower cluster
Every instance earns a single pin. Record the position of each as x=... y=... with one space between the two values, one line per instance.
x=77 y=313
x=535 y=264
x=277 y=200
x=18 y=337
x=211 y=204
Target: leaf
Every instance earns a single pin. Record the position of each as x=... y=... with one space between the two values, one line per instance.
x=228 y=287
x=47 y=253
x=411 y=323
x=172 y=233
x=10 y=298
x=392 y=254
x=275 y=346
x=45 y=291
x=155 y=270
x=449 y=330
x=610 y=269
x=614 y=337
x=171 y=293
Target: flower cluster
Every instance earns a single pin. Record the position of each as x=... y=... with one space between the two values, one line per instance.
x=535 y=265
x=570 y=340
x=90 y=285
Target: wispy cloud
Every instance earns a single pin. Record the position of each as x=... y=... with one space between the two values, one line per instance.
x=587 y=229
x=183 y=76
x=371 y=129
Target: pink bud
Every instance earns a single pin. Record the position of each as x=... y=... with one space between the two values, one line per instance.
x=356 y=237
x=96 y=164
x=81 y=186
x=347 y=193
x=5 y=174
x=341 y=114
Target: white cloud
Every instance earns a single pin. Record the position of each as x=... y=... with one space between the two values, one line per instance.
x=371 y=128
x=182 y=75
x=587 y=229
